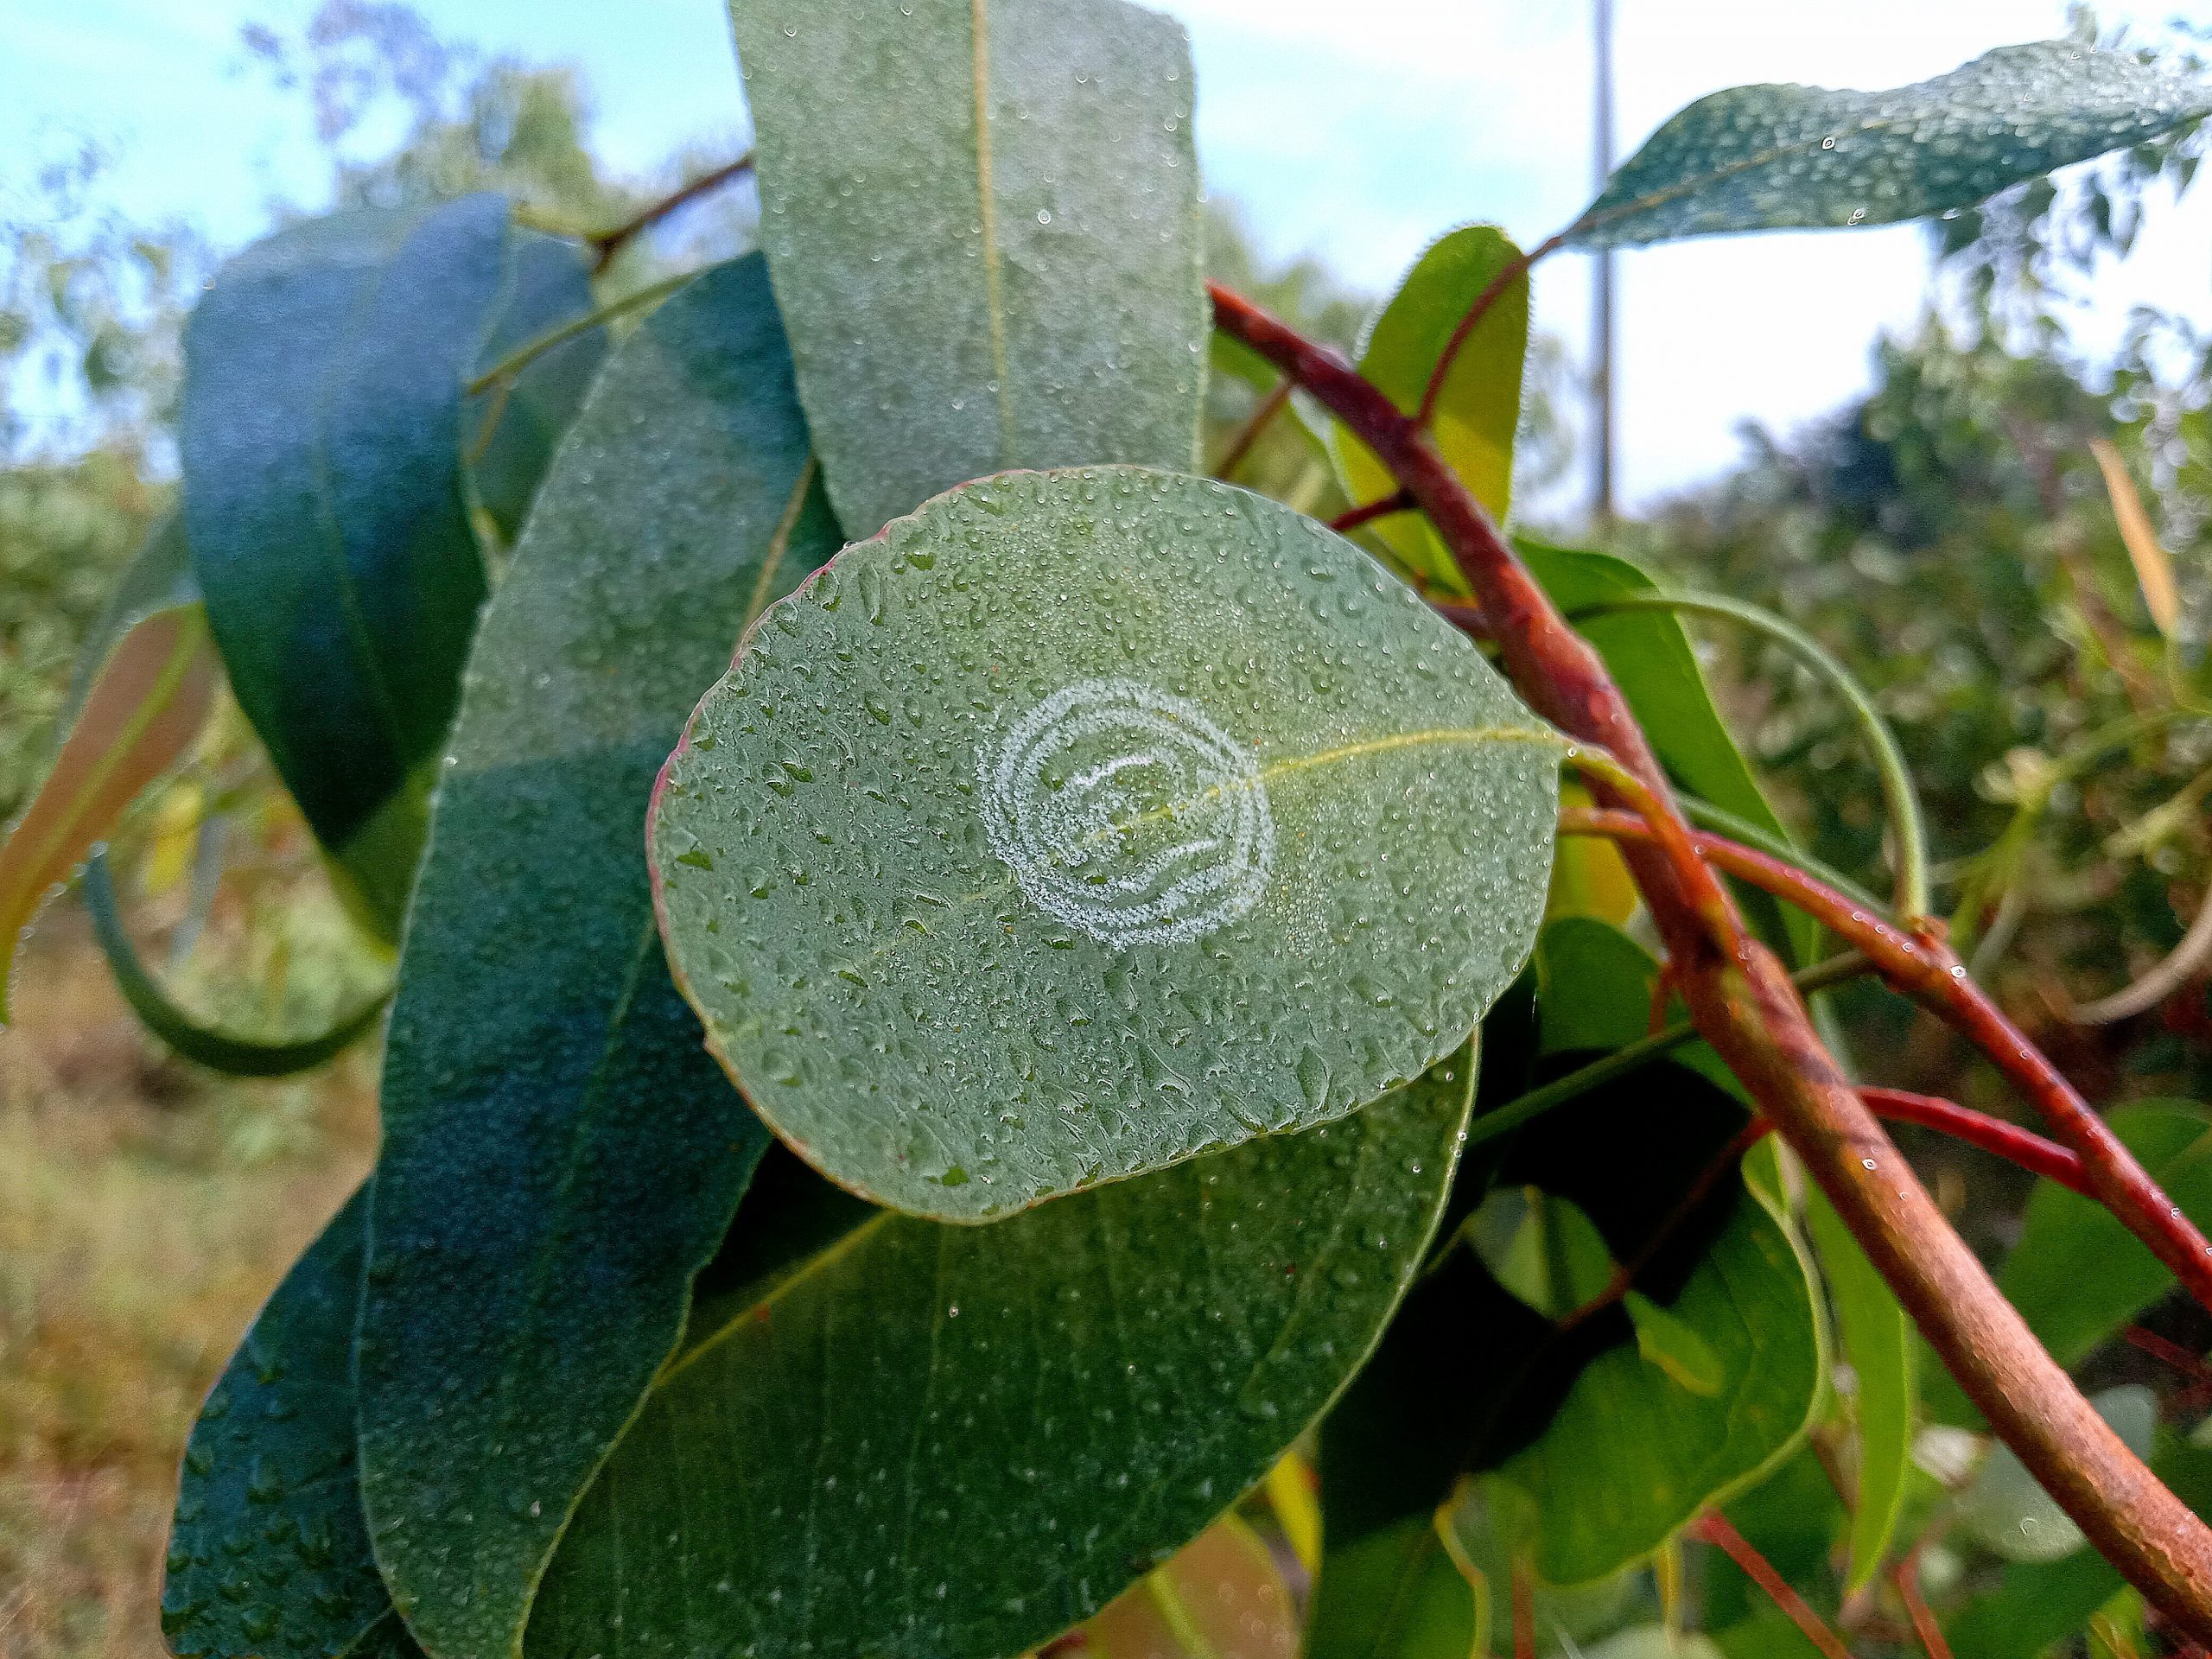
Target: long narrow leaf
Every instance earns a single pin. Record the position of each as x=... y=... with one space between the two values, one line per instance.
x=141 y=714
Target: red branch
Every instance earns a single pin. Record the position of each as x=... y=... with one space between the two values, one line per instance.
x=1742 y=1002
x=1924 y=967
x=1490 y=296
x=1907 y=1578
x=1344 y=522
x=1992 y=1135
x=1716 y=1531
x=607 y=244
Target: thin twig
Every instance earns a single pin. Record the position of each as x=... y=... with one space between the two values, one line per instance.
x=1715 y=1529
x=1992 y=1135
x=607 y=244
x=1240 y=444
x=1906 y=1576
x=530 y=350
x=1524 y=1609
x=1399 y=501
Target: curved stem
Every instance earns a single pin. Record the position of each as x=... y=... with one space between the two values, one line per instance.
x=607 y=244
x=1992 y=1135
x=218 y=1050
x=2183 y=965
x=1907 y=822
x=1705 y=815
x=1743 y=1004
x=1476 y=312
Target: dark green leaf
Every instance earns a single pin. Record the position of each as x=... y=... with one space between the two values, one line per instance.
x=1085 y=821
x=559 y=1154
x=1765 y=157
x=321 y=439
x=1613 y=1451
x=982 y=218
x=270 y=1554
x=1396 y=1594
x=957 y=1442
x=513 y=428
x=1478 y=408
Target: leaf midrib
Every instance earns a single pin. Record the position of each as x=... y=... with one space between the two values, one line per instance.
x=1533 y=736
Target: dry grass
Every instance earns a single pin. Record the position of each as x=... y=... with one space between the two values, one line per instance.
x=145 y=1211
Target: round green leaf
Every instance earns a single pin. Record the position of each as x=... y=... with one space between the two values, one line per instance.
x=1087 y=821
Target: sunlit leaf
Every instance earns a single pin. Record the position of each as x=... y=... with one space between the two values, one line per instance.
x=982 y=220
x=1087 y=821
x=1477 y=407
x=1769 y=157
x=925 y=1440
x=2078 y=1275
x=559 y=1154
x=141 y=713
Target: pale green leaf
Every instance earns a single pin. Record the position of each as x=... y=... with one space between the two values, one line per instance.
x=983 y=219
x=1088 y=821
x=1771 y=156
x=1478 y=406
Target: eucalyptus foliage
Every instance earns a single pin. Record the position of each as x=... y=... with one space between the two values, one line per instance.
x=947 y=967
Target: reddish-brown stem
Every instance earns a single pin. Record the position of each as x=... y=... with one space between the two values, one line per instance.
x=1906 y=1576
x=1742 y=1002
x=1483 y=302
x=1924 y=968
x=1524 y=1610
x=2190 y=1366
x=1368 y=512
x=1991 y=1135
x=1248 y=435
x=1713 y=1529
x=607 y=244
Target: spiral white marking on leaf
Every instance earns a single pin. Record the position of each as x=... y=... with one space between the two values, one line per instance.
x=1126 y=812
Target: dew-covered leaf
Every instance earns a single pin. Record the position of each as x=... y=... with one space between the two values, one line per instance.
x=1087 y=821
x=268 y=1557
x=513 y=427
x=137 y=710
x=1771 y=156
x=1478 y=407
x=560 y=1155
x=926 y=1441
x=321 y=436
x=982 y=220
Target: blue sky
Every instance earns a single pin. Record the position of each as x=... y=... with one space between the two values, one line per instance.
x=1356 y=130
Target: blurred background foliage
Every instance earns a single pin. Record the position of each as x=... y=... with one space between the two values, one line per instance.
x=1953 y=536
